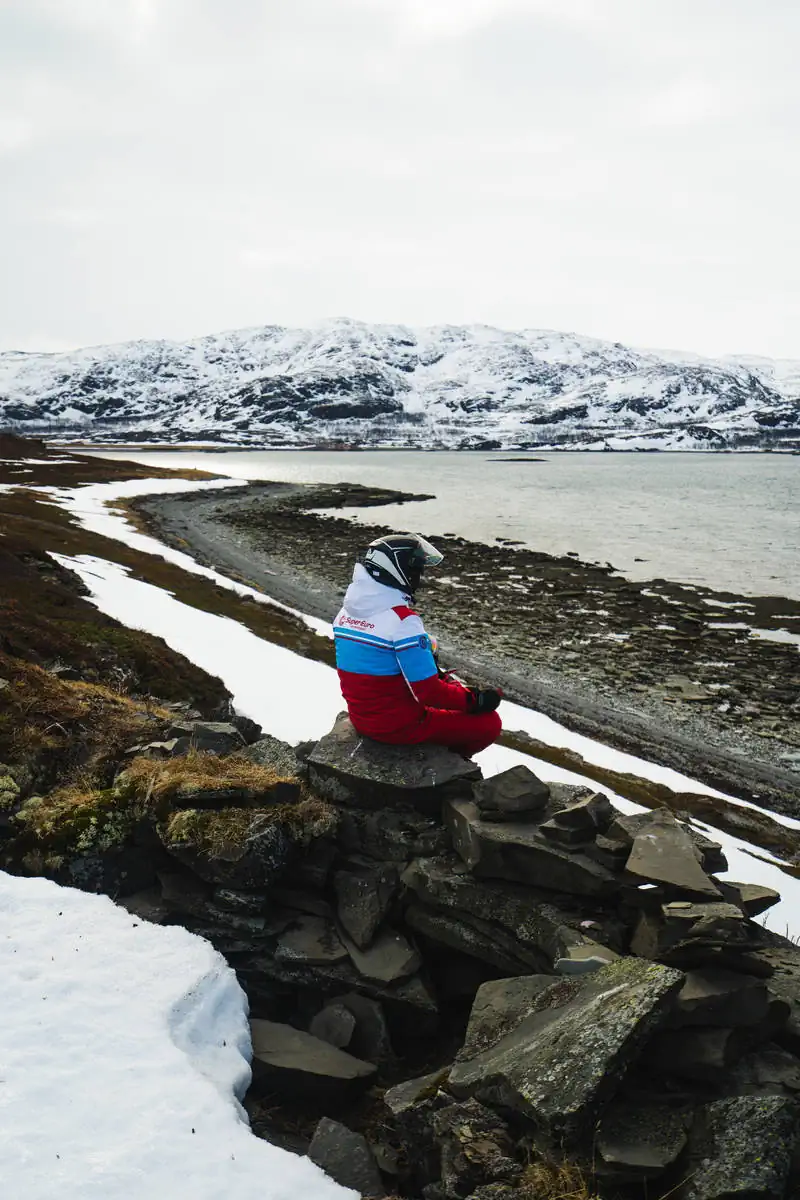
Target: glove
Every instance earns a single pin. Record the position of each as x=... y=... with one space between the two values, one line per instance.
x=485 y=700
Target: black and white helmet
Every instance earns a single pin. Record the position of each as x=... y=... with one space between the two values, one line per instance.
x=399 y=561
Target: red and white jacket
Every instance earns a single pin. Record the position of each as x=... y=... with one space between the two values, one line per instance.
x=385 y=660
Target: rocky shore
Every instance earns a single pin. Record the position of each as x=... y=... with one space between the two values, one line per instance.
x=666 y=671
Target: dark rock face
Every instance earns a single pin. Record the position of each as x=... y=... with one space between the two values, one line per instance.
x=510 y=795
x=347 y=1158
x=500 y=1006
x=558 y=1066
x=215 y=737
x=742 y=1147
x=363 y=897
x=519 y=853
x=475 y=1149
x=350 y=769
x=663 y=853
x=528 y=928
x=640 y=1141
x=723 y=998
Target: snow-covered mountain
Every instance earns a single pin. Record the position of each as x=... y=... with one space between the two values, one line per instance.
x=346 y=382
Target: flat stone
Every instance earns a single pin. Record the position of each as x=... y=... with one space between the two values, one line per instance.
x=347 y=1158
x=499 y=1007
x=215 y=737
x=585 y=957
x=592 y=815
x=525 y=928
x=565 y=835
x=519 y=853
x=479 y=939
x=347 y=768
x=713 y=997
x=404 y=1096
x=390 y=957
x=610 y=852
x=663 y=853
x=742 y=1148
x=410 y=1006
x=641 y=1140
x=296 y=1064
x=363 y=896
x=511 y=794
x=751 y=898
x=148 y=906
x=625 y=827
x=281 y=792
x=311 y=940
x=783 y=964
x=563 y=1062
x=334 y=1025
x=679 y=924
x=303 y=901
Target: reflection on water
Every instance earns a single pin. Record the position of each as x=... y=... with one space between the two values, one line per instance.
x=731 y=522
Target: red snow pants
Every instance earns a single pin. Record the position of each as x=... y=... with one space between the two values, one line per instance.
x=465 y=733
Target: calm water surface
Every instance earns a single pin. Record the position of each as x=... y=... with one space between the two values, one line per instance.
x=731 y=522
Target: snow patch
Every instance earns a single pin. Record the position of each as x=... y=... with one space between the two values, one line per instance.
x=125 y=1051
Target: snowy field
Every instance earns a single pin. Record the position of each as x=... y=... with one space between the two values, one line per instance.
x=123 y=1066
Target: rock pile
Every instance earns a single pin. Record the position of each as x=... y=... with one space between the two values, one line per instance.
x=484 y=979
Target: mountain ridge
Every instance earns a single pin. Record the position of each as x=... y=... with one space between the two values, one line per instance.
x=346 y=382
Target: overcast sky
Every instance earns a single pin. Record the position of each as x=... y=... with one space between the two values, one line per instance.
x=623 y=168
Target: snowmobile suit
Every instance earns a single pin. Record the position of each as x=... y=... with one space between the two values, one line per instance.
x=389 y=677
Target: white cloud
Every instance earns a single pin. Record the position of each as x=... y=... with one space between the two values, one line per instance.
x=621 y=167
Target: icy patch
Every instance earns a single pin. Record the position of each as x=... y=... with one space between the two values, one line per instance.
x=294 y=698
x=91 y=505
x=125 y=1051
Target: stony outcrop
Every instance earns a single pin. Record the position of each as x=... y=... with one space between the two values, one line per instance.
x=585 y=994
x=350 y=769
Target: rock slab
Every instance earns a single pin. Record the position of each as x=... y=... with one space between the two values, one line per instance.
x=742 y=1147
x=294 y=1063
x=347 y=1158
x=564 y=1060
x=347 y=768
x=518 y=852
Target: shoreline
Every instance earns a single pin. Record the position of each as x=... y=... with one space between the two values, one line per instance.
x=238 y=533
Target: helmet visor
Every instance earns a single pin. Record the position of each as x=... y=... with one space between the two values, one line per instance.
x=431 y=556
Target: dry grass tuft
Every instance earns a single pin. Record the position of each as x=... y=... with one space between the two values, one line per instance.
x=162 y=779
x=225 y=831
x=555 y=1181
x=79 y=728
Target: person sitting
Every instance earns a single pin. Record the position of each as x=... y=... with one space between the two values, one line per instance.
x=389 y=676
